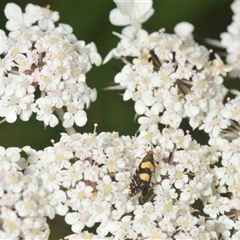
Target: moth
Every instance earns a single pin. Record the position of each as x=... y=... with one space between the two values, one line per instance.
x=142 y=176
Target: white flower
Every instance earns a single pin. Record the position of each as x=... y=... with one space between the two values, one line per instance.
x=182 y=235
x=46 y=16
x=9 y=109
x=149 y=122
x=184 y=29
x=164 y=191
x=72 y=175
x=4 y=42
x=85 y=235
x=101 y=211
x=92 y=192
x=122 y=228
x=75 y=219
x=170 y=118
x=144 y=219
x=27 y=207
x=187 y=222
x=48 y=80
x=167 y=209
x=16 y=19
x=220 y=67
x=108 y=188
x=51 y=175
x=11 y=223
x=74 y=115
x=57 y=201
x=10 y=159
x=214 y=123
x=191 y=191
x=230 y=40
x=45 y=112
x=128 y=12
x=166 y=225
x=177 y=176
x=35 y=228
x=181 y=140
x=6 y=64
x=113 y=162
x=231 y=155
x=80 y=197
x=216 y=205
x=14 y=181
x=89 y=50
x=172 y=78
x=227 y=222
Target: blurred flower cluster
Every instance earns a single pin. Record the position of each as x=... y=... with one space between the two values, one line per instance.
x=194 y=189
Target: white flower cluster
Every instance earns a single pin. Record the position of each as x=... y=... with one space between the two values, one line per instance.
x=170 y=78
x=43 y=68
x=86 y=177
x=194 y=190
x=223 y=122
x=231 y=40
x=24 y=204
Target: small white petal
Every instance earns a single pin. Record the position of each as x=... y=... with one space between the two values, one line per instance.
x=11 y=116
x=80 y=118
x=235 y=160
x=118 y=19
x=194 y=110
x=68 y=120
x=127 y=95
x=53 y=121
x=77 y=227
x=13 y=12
x=71 y=218
x=109 y=56
x=139 y=107
x=95 y=58
x=61 y=210
x=226 y=154
x=184 y=29
x=12 y=26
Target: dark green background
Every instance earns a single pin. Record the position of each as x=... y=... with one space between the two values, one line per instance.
x=89 y=20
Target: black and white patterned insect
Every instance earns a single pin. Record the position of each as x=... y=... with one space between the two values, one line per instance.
x=142 y=176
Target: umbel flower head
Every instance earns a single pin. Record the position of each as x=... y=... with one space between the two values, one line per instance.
x=43 y=68
x=231 y=40
x=131 y=12
x=168 y=76
x=86 y=178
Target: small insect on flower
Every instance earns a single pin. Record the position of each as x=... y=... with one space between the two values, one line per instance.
x=142 y=176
